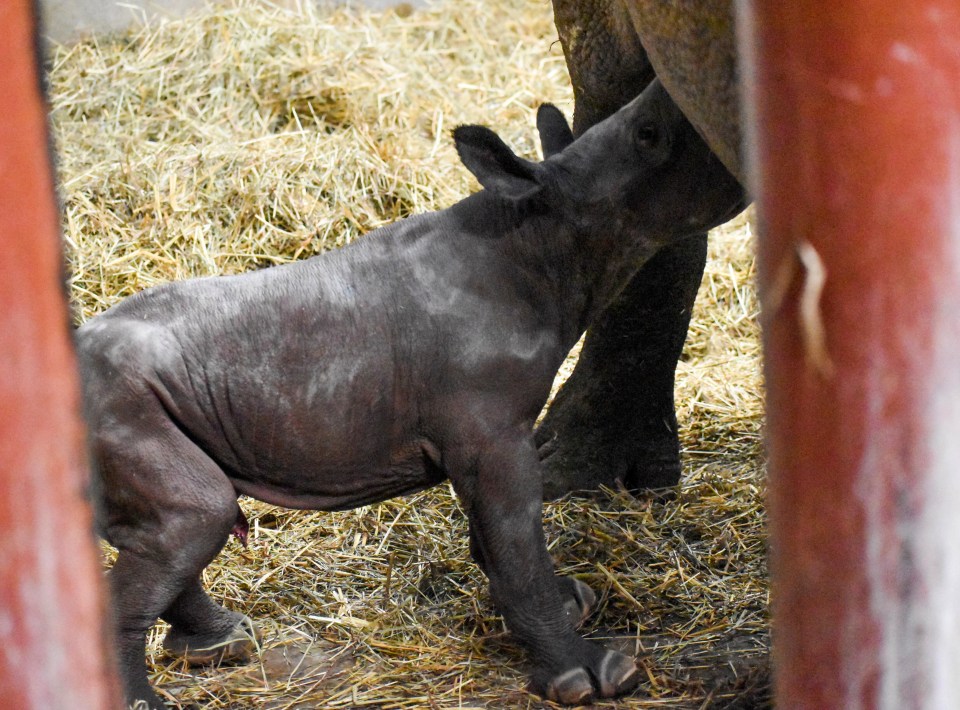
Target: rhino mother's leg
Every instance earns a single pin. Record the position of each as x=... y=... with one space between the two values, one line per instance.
x=607 y=64
x=614 y=420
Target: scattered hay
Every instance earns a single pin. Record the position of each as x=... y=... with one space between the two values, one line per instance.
x=244 y=137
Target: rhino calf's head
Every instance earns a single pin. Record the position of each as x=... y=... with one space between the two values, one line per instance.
x=635 y=182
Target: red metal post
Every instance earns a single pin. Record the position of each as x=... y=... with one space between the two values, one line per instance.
x=53 y=647
x=853 y=113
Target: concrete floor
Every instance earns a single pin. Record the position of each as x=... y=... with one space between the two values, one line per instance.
x=68 y=20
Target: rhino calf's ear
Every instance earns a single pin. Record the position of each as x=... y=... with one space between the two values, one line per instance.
x=555 y=133
x=495 y=166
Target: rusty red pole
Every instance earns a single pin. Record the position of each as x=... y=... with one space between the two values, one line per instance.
x=53 y=650
x=853 y=113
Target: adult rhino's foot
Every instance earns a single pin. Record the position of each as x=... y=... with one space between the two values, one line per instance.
x=585 y=443
x=613 y=422
x=605 y=674
x=581 y=457
x=236 y=644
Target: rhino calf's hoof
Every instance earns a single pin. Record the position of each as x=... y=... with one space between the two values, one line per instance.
x=614 y=675
x=579 y=600
x=237 y=645
x=571 y=688
x=618 y=674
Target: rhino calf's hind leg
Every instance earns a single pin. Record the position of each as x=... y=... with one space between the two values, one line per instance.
x=202 y=631
x=146 y=586
x=170 y=510
x=135 y=597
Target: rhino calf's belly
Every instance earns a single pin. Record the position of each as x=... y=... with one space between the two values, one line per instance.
x=325 y=486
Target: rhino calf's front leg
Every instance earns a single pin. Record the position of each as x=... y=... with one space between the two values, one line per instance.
x=500 y=485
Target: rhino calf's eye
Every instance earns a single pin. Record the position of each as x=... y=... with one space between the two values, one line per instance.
x=647 y=135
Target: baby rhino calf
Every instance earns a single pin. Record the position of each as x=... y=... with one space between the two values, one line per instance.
x=422 y=351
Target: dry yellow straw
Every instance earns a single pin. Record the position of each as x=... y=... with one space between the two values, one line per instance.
x=239 y=138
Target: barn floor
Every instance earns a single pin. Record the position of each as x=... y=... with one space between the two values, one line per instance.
x=245 y=137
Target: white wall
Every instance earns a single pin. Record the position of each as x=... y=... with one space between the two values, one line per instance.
x=67 y=20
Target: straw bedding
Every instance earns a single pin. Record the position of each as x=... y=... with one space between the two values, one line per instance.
x=247 y=136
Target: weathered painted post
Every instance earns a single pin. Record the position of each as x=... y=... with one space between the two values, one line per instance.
x=853 y=109
x=53 y=650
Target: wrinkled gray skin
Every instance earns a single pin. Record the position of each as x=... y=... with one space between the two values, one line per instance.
x=423 y=351
x=614 y=421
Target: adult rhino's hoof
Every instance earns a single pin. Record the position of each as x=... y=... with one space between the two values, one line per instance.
x=579 y=600
x=237 y=645
x=615 y=675
x=582 y=459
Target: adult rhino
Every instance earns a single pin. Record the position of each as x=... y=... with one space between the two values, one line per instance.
x=614 y=420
